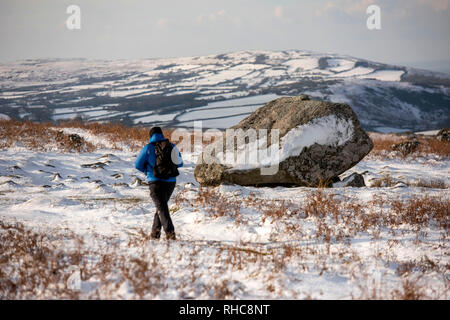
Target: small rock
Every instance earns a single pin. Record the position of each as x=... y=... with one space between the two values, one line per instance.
x=136 y=182
x=76 y=141
x=120 y=184
x=74 y=280
x=15 y=176
x=96 y=165
x=14 y=168
x=303 y=97
x=109 y=156
x=72 y=141
x=10 y=183
x=354 y=180
x=399 y=185
x=443 y=135
x=406 y=147
x=56 y=177
x=188 y=185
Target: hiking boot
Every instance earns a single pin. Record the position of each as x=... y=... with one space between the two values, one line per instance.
x=171 y=236
x=155 y=235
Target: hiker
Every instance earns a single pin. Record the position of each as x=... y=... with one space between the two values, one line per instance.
x=160 y=160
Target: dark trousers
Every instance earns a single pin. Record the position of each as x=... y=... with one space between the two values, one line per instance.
x=160 y=193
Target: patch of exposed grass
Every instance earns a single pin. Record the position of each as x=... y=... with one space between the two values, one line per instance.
x=428 y=145
x=385 y=181
x=43 y=265
x=48 y=136
x=39 y=137
x=334 y=218
x=433 y=184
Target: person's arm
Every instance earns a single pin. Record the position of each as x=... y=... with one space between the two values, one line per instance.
x=142 y=160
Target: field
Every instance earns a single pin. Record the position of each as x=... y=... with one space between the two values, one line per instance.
x=75 y=220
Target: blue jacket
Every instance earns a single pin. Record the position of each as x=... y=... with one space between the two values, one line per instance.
x=146 y=159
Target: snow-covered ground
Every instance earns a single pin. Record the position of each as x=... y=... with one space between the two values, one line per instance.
x=263 y=243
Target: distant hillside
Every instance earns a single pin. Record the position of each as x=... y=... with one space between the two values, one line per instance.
x=221 y=89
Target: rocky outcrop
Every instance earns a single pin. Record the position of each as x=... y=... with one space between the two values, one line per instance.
x=443 y=134
x=406 y=147
x=317 y=142
x=355 y=180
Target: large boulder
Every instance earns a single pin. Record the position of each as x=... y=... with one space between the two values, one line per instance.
x=317 y=142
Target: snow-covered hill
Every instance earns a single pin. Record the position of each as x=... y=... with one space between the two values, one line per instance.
x=221 y=89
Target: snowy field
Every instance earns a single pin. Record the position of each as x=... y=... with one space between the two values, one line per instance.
x=233 y=242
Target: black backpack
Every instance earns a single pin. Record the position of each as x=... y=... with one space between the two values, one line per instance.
x=164 y=167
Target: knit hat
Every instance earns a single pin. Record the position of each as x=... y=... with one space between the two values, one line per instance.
x=155 y=130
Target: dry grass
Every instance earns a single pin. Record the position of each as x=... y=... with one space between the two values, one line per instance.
x=335 y=218
x=116 y=133
x=433 y=184
x=45 y=136
x=48 y=136
x=31 y=266
x=39 y=137
x=216 y=204
x=410 y=290
x=429 y=145
x=422 y=211
x=382 y=143
x=36 y=265
x=385 y=181
x=40 y=265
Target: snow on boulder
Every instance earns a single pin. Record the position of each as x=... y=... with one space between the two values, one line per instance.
x=314 y=142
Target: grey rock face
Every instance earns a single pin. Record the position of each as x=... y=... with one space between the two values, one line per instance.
x=320 y=154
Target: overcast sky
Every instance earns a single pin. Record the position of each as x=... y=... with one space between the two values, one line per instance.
x=411 y=30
